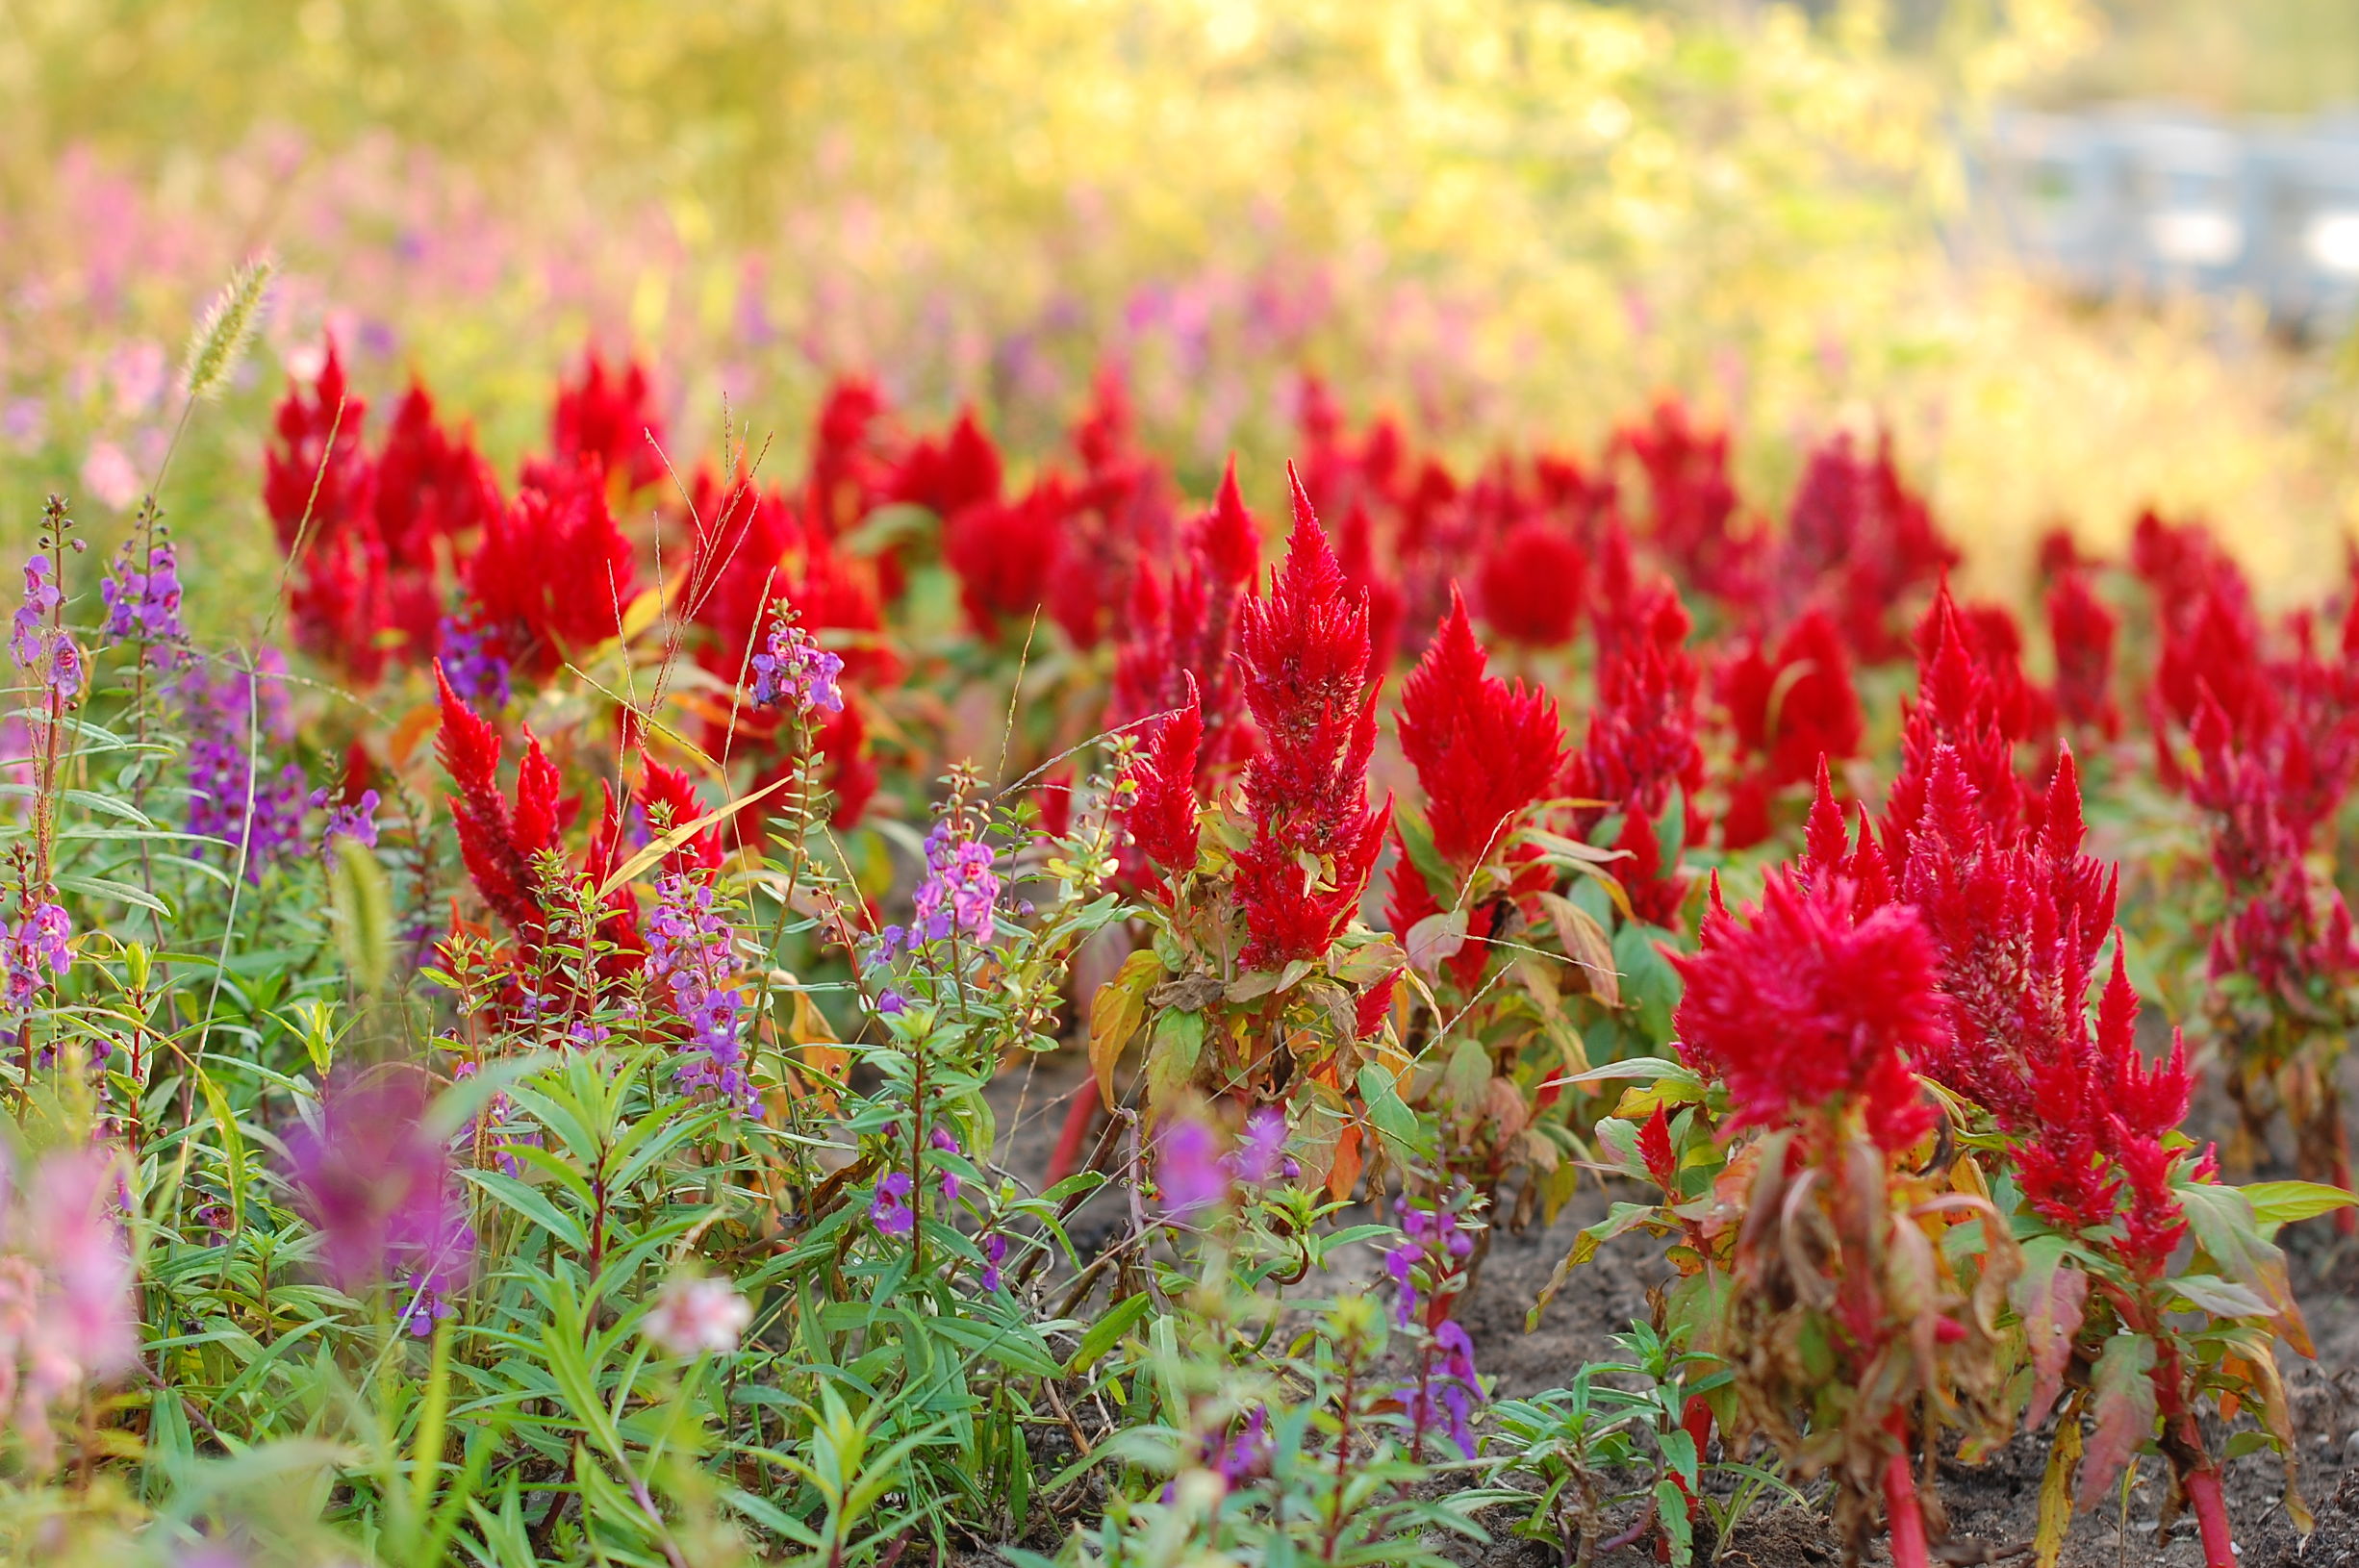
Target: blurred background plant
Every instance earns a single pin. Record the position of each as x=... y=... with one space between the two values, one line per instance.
x=1500 y=217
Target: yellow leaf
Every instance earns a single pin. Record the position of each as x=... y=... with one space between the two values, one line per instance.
x=2056 y=1492
x=630 y=868
x=1114 y=1015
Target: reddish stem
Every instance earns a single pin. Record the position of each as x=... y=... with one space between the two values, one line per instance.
x=2346 y=1220
x=2201 y=1484
x=1079 y=1116
x=1695 y=1420
x=1904 y=1519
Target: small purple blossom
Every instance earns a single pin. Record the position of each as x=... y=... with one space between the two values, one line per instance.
x=794 y=672
x=1261 y=1156
x=232 y=717
x=995 y=1253
x=960 y=893
x=380 y=1187
x=890 y=1208
x=471 y=660
x=356 y=821
x=688 y=959
x=143 y=604
x=40 y=940
x=946 y=1142
x=46 y=652
x=1188 y=1172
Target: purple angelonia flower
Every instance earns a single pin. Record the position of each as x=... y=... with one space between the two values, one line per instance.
x=379 y=1185
x=687 y=960
x=1261 y=1156
x=232 y=717
x=143 y=604
x=793 y=673
x=890 y=1209
x=1187 y=1169
x=472 y=660
x=995 y=1253
x=39 y=941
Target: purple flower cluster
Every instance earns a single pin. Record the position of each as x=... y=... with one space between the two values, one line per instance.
x=46 y=652
x=688 y=957
x=995 y=1253
x=1431 y=1238
x=1190 y=1175
x=1261 y=1156
x=356 y=821
x=1444 y=1395
x=889 y=1209
x=38 y=940
x=231 y=716
x=143 y=604
x=379 y=1186
x=959 y=895
x=65 y=1292
x=472 y=660
x=794 y=672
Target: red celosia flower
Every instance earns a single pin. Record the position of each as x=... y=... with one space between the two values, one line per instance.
x=2104 y=1116
x=2019 y=919
x=1641 y=742
x=609 y=414
x=320 y=489
x=1792 y=708
x=1388 y=600
x=1529 y=583
x=2082 y=629
x=1806 y=1008
x=1484 y=749
x=1162 y=814
x=1963 y=706
x=852 y=461
x=1004 y=552
x=555 y=572
x=1859 y=539
x=949 y=477
x=497 y=843
x=1691 y=503
x=1303 y=649
x=670 y=799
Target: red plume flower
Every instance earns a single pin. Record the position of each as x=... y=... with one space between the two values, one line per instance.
x=1484 y=749
x=1790 y=710
x=1806 y=1007
x=554 y=572
x=608 y=415
x=2082 y=629
x=946 y=477
x=1303 y=654
x=498 y=844
x=1529 y=584
x=1162 y=814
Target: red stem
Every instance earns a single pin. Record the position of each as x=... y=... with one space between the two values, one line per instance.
x=2211 y=1509
x=1695 y=1420
x=1079 y=1116
x=1902 y=1514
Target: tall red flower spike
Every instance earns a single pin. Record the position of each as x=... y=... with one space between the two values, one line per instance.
x=1303 y=649
x=1484 y=749
x=2082 y=629
x=1178 y=642
x=497 y=843
x=608 y=415
x=1162 y=814
x=1804 y=1008
x=554 y=572
x=1788 y=710
x=1529 y=584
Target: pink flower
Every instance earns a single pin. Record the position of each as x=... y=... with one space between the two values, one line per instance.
x=108 y=474
x=694 y=1315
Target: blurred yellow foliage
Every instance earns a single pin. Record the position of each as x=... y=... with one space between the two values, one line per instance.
x=1522 y=218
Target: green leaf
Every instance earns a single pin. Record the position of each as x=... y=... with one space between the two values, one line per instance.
x=2050 y=1297
x=2276 y=1204
x=1106 y=1333
x=121 y=893
x=2122 y=1407
x=1402 y=1135
x=2227 y=1233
